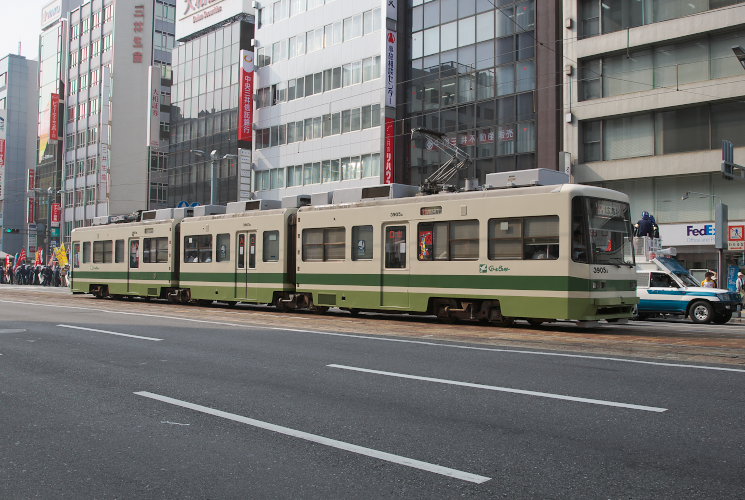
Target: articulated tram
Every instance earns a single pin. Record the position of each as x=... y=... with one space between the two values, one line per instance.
x=541 y=253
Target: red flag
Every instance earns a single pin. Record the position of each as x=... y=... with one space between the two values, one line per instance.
x=39 y=257
x=20 y=259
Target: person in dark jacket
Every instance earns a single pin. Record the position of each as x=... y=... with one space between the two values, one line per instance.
x=645 y=226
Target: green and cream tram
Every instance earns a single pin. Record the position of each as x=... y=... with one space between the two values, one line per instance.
x=541 y=253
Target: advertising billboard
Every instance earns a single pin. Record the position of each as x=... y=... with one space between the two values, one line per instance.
x=195 y=15
x=245 y=111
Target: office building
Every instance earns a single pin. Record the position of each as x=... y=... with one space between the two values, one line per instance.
x=118 y=76
x=651 y=90
x=18 y=114
x=205 y=102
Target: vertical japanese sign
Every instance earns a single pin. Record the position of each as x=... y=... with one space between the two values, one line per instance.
x=390 y=144
x=153 y=115
x=391 y=41
x=30 y=210
x=31 y=179
x=138 y=27
x=54 y=118
x=56 y=214
x=245 y=112
x=244 y=172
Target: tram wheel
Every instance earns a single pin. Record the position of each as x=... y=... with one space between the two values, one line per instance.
x=535 y=322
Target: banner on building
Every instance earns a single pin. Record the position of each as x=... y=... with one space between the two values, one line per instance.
x=103 y=173
x=54 y=118
x=30 y=210
x=245 y=111
x=244 y=174
x=153 y=114
x=31 y=179
x=56 y=214
x=391 y=41
x=390 y=144
x=3 y=128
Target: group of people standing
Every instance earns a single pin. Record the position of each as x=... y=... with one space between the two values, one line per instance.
x=26 y=274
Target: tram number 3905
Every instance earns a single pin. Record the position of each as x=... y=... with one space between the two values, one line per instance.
x=600 y=270
x=396 y=214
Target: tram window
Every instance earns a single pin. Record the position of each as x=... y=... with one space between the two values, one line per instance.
x=107 y=252
x=76 y=255
x=579 y=231
x=524 y=238
x=134 y=254
x=155 y=250
x=198 y=248
x=450 y=240
x=86 y=252
x=362 y=243
x=119 y=251
x=323 y=244
x=271 y=246
x=395 y=247
x=223 y=248
x=252 y=251
x=541 y=237
x=97 y=252
x=505 y=239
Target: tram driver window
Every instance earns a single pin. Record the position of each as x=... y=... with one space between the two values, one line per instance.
x=86 y=252
x=76 y=255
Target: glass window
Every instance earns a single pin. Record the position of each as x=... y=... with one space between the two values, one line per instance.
x=727 y=123
x=630 y=136
x=198 y=248
x=506 y=80
x=484 y=26
x=134 y=254
x=524 y=238
x=362 y=243
x=323 y=244
x=223 y=247
x=449 y=36
x=682 y=130
x=395 y=247
x=271 y=246
x=453 y=240
x=119 y=251
x=155 y=250
x=76 y=255
x=466 y=31
x=431 y=42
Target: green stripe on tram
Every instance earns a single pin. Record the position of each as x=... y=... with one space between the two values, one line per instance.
x=480 y=282
x=123 y=275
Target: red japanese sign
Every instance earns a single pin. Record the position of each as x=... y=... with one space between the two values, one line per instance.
x=2 y=152
x=245 y=113
x=390 y=144
x=56 y=212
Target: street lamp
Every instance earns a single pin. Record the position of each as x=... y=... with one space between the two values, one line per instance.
x=721 y=226
x=214 y=158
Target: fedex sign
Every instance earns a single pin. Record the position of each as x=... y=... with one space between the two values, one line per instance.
x=704 y=230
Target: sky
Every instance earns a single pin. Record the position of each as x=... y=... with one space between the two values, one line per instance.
x=21 y=23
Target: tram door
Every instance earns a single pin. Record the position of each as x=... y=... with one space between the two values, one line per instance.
x=245 y=266
x=134 y=263
x=394 y=277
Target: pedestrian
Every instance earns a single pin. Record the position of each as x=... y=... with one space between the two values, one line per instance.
x=740 y=286
x=63 y=276
x=57 y=281
x=645 y=226
x=709 y=281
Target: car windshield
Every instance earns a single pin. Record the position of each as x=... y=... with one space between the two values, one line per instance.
x=687 y=279
x=610 y=232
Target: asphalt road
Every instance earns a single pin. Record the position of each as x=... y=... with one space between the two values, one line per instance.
x=140 y=400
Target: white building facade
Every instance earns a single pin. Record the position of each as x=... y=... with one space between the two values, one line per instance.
x=651 y=88
x=321 y=95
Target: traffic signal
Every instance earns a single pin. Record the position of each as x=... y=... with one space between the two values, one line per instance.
x=10 y=230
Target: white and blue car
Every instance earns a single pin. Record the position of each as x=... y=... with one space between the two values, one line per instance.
x=665 y=287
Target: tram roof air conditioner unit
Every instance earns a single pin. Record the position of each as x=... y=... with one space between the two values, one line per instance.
x=238 y=207
x=183 y=212
x=101 y=220
x=381 y=192
x=297 y=201
x=149 y=215
x=203 y=210
x=163 y=214
x=525 y=178
x=317 y=199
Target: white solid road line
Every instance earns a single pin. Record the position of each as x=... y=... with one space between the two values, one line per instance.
x=110 y=333
x=503 y=389
x=341 y=445
x=387 y=339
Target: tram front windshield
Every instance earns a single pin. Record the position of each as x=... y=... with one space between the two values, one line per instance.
x=602 y=232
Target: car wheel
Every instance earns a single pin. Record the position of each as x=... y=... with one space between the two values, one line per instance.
x=722 y=318
x=701 y=312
